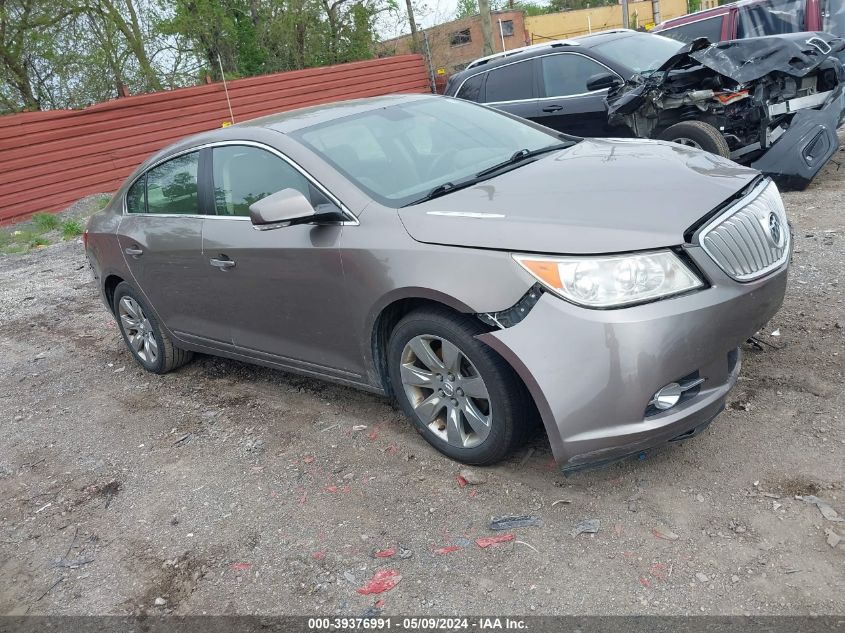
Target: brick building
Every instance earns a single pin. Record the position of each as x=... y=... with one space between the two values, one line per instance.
x=455 y=44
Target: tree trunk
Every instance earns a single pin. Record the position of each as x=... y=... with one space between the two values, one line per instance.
x=415 y=36
x=486 y=27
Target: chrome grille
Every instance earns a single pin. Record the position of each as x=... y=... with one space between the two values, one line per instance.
x=752 y=237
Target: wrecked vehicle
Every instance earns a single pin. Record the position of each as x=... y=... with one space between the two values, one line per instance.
x=771 y=102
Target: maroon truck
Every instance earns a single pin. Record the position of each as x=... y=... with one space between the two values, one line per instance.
x=754 y=18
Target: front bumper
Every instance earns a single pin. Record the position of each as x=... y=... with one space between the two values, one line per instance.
x=807 y=145
x=592 y=373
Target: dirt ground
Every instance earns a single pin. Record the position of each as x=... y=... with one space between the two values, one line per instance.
x=225 y=488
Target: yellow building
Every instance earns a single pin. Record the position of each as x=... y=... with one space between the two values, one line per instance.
x=556 y=26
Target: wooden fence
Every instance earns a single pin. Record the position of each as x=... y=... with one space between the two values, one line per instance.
x=50 y=159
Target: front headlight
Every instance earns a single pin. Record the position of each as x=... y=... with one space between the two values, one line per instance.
x=610 y=281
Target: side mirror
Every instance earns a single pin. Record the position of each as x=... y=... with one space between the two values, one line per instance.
x=282 y=208
x=603 y=81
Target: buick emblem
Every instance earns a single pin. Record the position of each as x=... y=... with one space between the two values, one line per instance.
x=775 y=229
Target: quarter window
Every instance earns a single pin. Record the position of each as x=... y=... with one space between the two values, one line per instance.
x=568 y=74
x=243 y=175
x=172 y=186
x=471 y=90
x=136 y=197
x=510 y=83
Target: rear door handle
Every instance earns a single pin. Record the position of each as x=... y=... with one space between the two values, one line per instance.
x=134 y=251
x=553 y=108
x=222 y=264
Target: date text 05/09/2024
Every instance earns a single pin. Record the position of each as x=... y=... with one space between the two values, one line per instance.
x=416 y=624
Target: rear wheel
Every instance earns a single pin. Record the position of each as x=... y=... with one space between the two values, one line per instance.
x=463 y=398
x=699 y=135
x=142 y=333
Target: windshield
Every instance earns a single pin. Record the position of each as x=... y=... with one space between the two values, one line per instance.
x=399 y=153
x=641 y=52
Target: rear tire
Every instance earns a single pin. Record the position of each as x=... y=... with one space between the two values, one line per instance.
x=699 y=135
x=151 y=347
x=460 y=395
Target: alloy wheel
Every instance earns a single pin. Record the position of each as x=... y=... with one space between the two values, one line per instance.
x=686 y=142
x=446 y=391
x=139 y=331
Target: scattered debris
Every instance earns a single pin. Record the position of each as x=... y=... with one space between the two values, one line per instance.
x=160 y=602
x=486 y=541
x=664 y=533
x=240 y=566
x=472 y=477
x=44 y=507
x=702 y=577
x=513 y=522
x=833 y=539
x=776 y=332
x=824 y=507
x=182 y=439
x=405 y=553
x=528 y=545
x=447 y=550
x=660 y=571
x=359 y=427
x=383 y=580
x=561 y=502
x=587 y=526
x=384 y=553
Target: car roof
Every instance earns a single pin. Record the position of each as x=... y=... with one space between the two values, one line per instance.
x=704 y=13
x=535 y=50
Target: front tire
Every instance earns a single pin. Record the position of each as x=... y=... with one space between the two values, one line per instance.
x=699 y=135
x=151 y=347
x=463 y=398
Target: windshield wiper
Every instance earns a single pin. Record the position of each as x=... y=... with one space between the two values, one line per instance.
x=516 y=159
x=523 y=155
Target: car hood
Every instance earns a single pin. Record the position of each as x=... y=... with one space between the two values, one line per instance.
x=599 y=196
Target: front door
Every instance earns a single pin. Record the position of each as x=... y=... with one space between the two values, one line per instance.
x=281 y=291
x=161 y=239
x=566 y=104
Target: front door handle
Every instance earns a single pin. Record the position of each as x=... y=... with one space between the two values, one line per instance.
x=134 y=251
x=222 y=264
x=553 y=108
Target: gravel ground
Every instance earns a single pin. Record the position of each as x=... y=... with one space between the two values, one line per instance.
x=225 y=488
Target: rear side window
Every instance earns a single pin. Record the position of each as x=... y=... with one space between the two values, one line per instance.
x=513 y=82
x=172 y=186
x=568 y=74
x=136 y=197
x=711 y=28
x=243 y=175
x=471 y=89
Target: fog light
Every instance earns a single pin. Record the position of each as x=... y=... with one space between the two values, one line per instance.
x=668 y=396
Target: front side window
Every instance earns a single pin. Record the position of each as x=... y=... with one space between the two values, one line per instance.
x=567 y=74
x=774 y=17
x=244 y=174
x=172 y=186
x=711 y=28
x=396 y=153
x=513 y=82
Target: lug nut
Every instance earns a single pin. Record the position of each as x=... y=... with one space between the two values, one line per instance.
x=454 y=402
x=451 y=378
x=440 y=393
x=460 y=391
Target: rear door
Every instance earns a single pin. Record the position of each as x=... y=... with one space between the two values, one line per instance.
x=513 y=88
x=279 y=292
x=161 y=238
x=566 y=104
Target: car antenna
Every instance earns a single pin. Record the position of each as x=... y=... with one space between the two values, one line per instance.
x=225 y=88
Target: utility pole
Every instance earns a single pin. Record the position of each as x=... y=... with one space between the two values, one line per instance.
x=415 y=36
x=655 y=11
x=486 y=27
x=625 y=18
